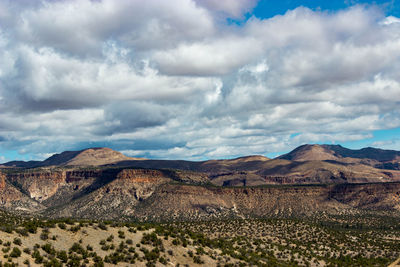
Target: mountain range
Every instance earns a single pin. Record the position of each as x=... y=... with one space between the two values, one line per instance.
x=103 y=183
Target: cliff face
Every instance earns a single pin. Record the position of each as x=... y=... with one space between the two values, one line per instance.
x=38 y=185
x=113 y=195
x=188 y=202
x=139 y=184
x=141 y=176
x=382 y=196
x=163 y=194
x=13 y=199
x=164 y=201
x=42 y=185
x=2 y=181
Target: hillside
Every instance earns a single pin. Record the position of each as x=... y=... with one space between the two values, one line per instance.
x=302 y=182
x=234 y=242
x=311 y=152
x=369 y=155
x=87 y=157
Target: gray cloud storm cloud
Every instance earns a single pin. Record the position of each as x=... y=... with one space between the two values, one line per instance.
x=173 y=79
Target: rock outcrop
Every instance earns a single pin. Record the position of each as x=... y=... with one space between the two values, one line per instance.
x=309 y=180
x=2 y=181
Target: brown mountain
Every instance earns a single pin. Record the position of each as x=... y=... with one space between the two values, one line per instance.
x=87 y=157
x=369 y=155
x=311 y=152
x=310 y=179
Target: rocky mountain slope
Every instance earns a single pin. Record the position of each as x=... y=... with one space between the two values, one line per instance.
x=103 y=183
x=379 y=158
x=87 y=157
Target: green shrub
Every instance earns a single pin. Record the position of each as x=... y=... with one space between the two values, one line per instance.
x=53 y=263
x=17 y=241
x=62 y=255
x=121 y=234
x=49 y=249
x=44 y=236
x=102 y=226
x=15 y=253
x=76 y=247
x=198 y=260
x=22 y=231
x=163 y=260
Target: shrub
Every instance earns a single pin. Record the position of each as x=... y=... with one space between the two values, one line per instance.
x=53 y=263
x=22 y=231
x=49 y=249
x=17 y=241
x=76 y=247
x=121 y=234
x=198 y=260
x=38 y=258
x=163 y=260
x=102 y=226
x=75 y=229
x=62 y=255
x=15 y=253
x=44 y=236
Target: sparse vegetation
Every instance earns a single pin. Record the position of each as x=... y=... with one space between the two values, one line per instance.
x=335 y=240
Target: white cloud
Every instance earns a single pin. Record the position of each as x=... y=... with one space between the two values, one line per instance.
x=229 y=8
x=390 y=20
x=213 y=58
x=175 y=80
x=81 y=26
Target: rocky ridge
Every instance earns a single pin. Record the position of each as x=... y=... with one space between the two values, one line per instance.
x=310 y=179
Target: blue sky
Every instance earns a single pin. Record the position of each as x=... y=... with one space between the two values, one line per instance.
x=268 y=9
x=197 y=79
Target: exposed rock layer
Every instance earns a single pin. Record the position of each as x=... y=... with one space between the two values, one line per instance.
x=310 y=179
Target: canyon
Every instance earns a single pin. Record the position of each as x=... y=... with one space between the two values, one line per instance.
x=104 y=184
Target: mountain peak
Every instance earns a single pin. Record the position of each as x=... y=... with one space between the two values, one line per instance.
x=88 y=157
x=310 y=152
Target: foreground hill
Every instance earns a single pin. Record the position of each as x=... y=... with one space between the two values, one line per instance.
x=364 y=241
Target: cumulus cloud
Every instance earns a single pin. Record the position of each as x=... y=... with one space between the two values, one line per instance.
x=229 y=8
x=176 y=80
x=216 y=57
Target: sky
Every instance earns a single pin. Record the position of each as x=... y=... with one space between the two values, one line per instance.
x=197 y=79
